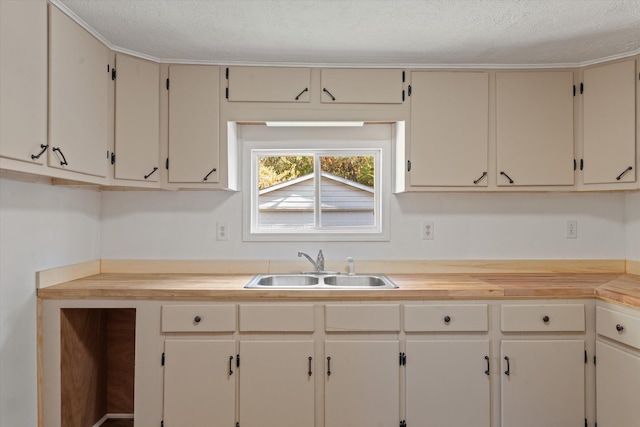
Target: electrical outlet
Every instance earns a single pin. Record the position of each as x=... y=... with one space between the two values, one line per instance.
x=427 y=230
x=572 y=230
x=221 y=231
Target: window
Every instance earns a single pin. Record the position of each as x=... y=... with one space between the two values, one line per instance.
x=316 y=183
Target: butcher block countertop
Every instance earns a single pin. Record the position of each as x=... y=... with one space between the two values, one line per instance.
x=619 y=288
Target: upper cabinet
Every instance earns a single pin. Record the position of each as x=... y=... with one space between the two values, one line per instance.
x=23 y=80
x=362 y=86
x=268 y=84
x=449 y=129
x=609 y=123
x=137 y=115
x=534 y=119
x=193 y=124
x=79 y=85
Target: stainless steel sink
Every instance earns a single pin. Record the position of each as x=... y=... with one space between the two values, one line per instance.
x=320 y=281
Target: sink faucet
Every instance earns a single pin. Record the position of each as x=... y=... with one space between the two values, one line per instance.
x=318 y=264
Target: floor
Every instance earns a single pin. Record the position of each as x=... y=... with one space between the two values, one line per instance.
x=118 y=423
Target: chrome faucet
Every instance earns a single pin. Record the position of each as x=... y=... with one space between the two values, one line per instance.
x=318 y=264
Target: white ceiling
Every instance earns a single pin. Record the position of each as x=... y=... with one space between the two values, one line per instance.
x=368 y=32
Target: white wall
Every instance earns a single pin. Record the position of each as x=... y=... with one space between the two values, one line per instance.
x=181 y=225
x=41 y=227
x=632 y=218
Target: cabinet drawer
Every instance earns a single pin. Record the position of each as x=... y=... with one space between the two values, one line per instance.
x=365 y=317
x=199 y=318
x=543 y=318
x=439 y=318
x=618 y=326
x=277 y=318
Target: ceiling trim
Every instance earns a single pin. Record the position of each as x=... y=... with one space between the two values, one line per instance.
x=118 y=49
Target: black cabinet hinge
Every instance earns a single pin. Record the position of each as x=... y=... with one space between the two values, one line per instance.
x=162 y=423
x=113 y=74
x=575 y=164
x=238 y=424
x=167 y=84
x=585 y=356
x=403 y=76
x=403 y=359
x=226 y=93
x=162 y=359
x=113 y=158
x=408 y=165
x=402 y=95
x=594 y=361
x=409 y=90
x=581 y=164
x=585 y=423
x=581 y=88
x=166 y=164
x=226 y=74
x=574 y=90
x=403 y=423
x=108 y=68
x=237 y=360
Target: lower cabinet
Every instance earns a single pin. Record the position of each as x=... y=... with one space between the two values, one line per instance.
x=543 y=383
x=199 y=383
x=277 y=384
x=362 y=383
x=448 y=383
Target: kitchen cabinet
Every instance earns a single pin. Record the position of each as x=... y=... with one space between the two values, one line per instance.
x=23 y=80
x=448 y=383
x=194 y=151
x=543 y=380
x=199 y=382
x=79 y=85
x=137 y=119
x=534 y=128
x=277 y=383
x=609 y=123
x=362 y=86
x=268 y=84
x=449 y=129
x=362 y=383
x=618 y=366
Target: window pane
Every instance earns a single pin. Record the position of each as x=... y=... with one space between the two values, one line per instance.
x=286 y=192
x=346 y=191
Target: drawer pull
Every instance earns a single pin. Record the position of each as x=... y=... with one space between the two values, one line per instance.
x=328 y=366
x=546 y=319
x=508 y=371
x=619 y=328
x=310 y=359
x=197 y=319
x=488 y=366
x=230 y=370
x=447 y=319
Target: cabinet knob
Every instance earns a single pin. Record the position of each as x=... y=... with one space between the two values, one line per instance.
x=447 y=319
x=197 y=319
x=546 y=319
x=619 y=327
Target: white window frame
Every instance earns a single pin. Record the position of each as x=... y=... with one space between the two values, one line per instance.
x=370 y=140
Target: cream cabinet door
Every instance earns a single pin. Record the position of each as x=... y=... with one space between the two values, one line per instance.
x=268 y=84
x=534 y=114
x=361 y=86
x=609 y=123
x=137 y=119
x=617 y=387
x=448 y=383
x=362 y=384
x=277 y=384
x=543 y=383
x=449 y=128
x=199 y=383
x=23 y=80
x=79 y=84
x=194 y=124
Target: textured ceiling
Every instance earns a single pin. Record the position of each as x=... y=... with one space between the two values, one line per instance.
x=368 y=32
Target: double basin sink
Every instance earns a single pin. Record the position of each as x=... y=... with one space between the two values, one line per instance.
x=320 y=281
